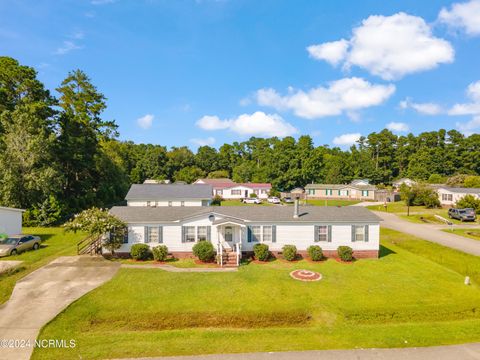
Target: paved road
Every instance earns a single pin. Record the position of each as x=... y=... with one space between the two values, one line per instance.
x=430 y=232
x=460 y=352
x=41 y=295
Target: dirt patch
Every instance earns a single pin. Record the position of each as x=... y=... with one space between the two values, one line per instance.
x=474 y=233
x=170 y=321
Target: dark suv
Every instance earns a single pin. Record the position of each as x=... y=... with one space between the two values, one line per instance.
x=462 y=214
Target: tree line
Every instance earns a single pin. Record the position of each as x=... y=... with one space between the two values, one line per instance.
x=58 y=155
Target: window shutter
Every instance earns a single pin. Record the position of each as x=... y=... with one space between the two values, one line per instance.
x=366 y=233
x=353 y=233
x=183 y=234
x=329 y=233
x=274 y=233
x=160 y=234
x=145 y=235
x=315 y=234
x=125 y=236
x=249 y=234
x=209 y=233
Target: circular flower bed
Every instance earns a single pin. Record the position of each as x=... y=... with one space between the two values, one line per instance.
x=306 y=275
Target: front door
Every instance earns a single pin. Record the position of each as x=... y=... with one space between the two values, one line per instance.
x=228 y=234
x=246 y=193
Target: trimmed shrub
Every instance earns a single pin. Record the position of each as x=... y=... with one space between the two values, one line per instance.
x=289 y=252
x=140 y=252
x=315 y=253
x=217 y=200
x=345 y=253
x=261 y=252
x=160 y=252
x=204 y=250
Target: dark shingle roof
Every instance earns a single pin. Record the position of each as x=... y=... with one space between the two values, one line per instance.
x=168 y=192
x=461 y=190
x=349 y=214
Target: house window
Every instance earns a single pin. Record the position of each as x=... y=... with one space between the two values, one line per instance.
x=236 y=192
x=189 y=234
x=256 y=191
x=267 y=233
x=256 y=233
x=364 y=192
x=152 y=234
x=264 y=191
x=201 y=233
x=311 y=191
x=447 y=197
x=169 y=203
x=329 y=192
x=322 y=233
x=219 y=192
x=359 y=233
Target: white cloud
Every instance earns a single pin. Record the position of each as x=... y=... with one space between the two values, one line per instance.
x=470 y=127
x=398 y=126
x=471 y=108
x=67 y=47
x=256 y=124
x=346 y=139
x=423 y=108
x=332 y=52
x=344 y=95
x=145 y=122
x=393 y=46
x=464 y=16
x=203 y=142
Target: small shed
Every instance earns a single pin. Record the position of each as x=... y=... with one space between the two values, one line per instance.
x=10 y=220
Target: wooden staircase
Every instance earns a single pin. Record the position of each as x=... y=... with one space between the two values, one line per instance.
x=229 y=258
x=91 y=245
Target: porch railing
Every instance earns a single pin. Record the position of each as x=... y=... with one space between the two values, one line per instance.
x=238 y=250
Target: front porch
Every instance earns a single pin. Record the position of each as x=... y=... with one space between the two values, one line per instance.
x=231 y=233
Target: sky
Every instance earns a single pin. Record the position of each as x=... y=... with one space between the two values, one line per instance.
x=207 y=72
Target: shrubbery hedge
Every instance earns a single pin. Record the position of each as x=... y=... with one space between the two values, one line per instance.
x=204 y=250
x=140 y=252
x=289 y=252
x=315 y=253
x=160 y=252
x=261 y=252
x=345 y=253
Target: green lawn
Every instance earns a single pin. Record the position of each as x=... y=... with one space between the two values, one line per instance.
x=412 y=296
x=55 y=243
x=418 y=214
x=470 y=233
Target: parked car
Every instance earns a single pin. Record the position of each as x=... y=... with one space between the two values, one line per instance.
x=287 y=200
x=18 y=243
x=274 y=200
x=462 y=214
x=252 y=201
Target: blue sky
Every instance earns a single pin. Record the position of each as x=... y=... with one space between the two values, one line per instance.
x=208 y=72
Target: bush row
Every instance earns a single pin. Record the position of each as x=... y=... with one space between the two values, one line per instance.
x=143 y=252
x=289 y=252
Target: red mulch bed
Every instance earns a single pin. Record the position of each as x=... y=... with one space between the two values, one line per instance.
x=306 y=275
x=345 y=262
x=316 y=262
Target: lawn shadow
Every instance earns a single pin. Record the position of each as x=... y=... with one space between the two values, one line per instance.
x=384 y=251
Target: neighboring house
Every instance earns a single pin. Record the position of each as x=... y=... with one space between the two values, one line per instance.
x=228 y=189
x=337 y=191
x=409 y=182
x=236 y=229
x=449 y=196
x=153 y=195
x=10 y=220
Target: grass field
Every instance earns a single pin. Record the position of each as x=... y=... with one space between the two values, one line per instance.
x=418 y=214
x=412 y=296
x=470 y=233
x=55 y=243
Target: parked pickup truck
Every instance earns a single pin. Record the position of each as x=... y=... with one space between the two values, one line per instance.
x=462 y=214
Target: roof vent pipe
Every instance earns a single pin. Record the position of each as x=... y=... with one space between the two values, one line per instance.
x=295 y=209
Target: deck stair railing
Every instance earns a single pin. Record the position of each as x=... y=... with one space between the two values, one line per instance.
x=91 y=245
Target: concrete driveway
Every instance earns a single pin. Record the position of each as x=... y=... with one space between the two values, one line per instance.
x=44 y=293
x=460 y=352
x=431 y=233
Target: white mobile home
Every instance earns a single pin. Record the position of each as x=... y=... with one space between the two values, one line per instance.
x=449 y=196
